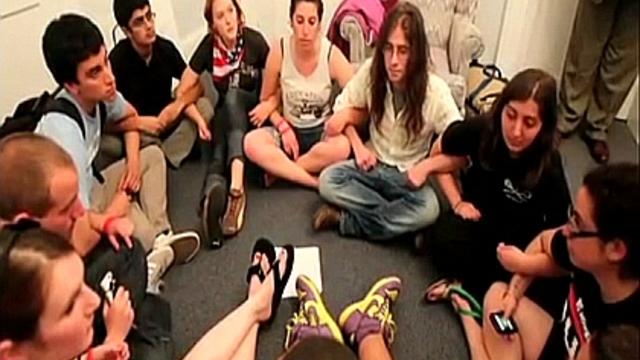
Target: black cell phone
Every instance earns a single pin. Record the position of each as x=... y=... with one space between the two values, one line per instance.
x=504 y=326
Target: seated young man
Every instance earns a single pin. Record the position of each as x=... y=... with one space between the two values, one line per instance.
x=144 y=65
x=600 y=248
x=382 y=193
x=75 y=54
x=39 y=182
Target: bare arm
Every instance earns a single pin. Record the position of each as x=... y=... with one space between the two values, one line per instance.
x=129 y=122
x=189 y=80
x=132 y=146
x=342 y=119
x=191 y=94
x=534 y=262
x=354 y=138
x=447 y=181
x=88 y=228
x=271 y=74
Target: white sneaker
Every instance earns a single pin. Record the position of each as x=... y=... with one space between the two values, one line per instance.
x=185 y=245
x=158 y=262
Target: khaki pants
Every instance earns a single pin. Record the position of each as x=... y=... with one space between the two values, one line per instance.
x=176 y=146
x=148 y=210
x=601 y=65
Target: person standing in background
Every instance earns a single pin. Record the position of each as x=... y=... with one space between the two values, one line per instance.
x=601 y=65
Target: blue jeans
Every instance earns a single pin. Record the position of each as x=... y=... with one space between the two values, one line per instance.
x=377 y=204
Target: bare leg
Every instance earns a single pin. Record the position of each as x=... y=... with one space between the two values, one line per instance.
x=534 y=327
x=373 y=347
x=247 y=350
x=236 y=334
x=325 y=153
x=261 y=148
x=237 y=174
x=472 y=330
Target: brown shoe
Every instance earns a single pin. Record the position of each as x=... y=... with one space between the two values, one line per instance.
x=326 y=217
x=234 y=216
x=598 y=149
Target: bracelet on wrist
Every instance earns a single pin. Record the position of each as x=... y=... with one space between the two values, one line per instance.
x=108 y=223
x=455 y=207
x=283 y=127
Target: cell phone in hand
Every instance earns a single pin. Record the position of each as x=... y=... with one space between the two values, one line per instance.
x=504 y=326
x=108 y=286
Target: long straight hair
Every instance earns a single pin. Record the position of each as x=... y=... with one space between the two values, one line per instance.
x=407 y=16
x=539 y=86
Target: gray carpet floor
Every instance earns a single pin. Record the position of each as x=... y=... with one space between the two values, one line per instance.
x=205 y=290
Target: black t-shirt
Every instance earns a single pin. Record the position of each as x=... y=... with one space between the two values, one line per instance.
x=584 y=311
x=510 y=212
x=147 y=87
x=249 y=75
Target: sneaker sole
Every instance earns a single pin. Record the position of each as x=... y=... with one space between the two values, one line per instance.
x=212 y=230
x=321 y=308
x=344 y=316
x=185 y=247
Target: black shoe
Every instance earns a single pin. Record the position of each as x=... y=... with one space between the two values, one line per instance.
x=598 y=149
x=212 y=209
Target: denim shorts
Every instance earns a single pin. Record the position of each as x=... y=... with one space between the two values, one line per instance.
x=307 y=137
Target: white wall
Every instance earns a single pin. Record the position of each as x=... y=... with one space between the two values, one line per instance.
x=517 y=34
x=489 y=17
x=22 y=69
x=541 y=40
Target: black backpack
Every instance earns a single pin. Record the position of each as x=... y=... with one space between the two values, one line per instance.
x=28 y=113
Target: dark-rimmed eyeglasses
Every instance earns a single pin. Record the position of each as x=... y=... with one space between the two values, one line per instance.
x=574 y=228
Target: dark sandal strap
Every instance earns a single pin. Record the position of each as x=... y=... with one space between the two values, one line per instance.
x=281 y=279
x=255 y=270
x=265 y=247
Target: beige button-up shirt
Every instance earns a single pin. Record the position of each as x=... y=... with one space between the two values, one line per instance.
x=390 y=143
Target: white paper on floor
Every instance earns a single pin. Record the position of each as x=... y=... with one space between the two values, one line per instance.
x=306 y=261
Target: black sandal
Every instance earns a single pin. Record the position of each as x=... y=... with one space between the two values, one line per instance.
x=280 y=281
x=265 y=247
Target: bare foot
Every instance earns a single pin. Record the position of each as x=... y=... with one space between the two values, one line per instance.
x=261 y=293
x=460 y=303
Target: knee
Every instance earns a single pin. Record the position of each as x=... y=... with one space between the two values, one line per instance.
x=494 y=295
x=429 y=208
x=205 y=107
x=340 y=147
x=152 y=154
x=330 y=180
x=233 y=100
x=343 y=147
x=252 y=144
